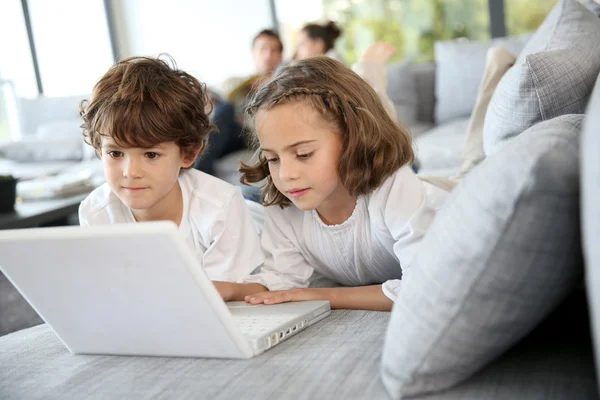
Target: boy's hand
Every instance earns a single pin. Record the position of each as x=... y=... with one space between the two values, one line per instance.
x=226 y=289
x=378 y=53
x=281 y=296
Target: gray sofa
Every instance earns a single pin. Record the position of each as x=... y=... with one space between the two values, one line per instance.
x=337 y=358
x=508 y=336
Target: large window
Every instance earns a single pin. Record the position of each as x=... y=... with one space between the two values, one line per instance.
x=413 y=26
x=525 y=15
x=71 y=46
x=16 y=63
x=72 y=42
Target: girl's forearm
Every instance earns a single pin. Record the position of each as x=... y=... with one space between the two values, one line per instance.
x=354 y=298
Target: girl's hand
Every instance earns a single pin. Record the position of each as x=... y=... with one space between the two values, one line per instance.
x=378 y=53
x=280 y=296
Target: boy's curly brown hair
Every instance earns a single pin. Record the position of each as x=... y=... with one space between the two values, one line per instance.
x=373 y=145
x=144 y=101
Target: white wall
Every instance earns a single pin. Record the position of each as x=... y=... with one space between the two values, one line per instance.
x=207 y=38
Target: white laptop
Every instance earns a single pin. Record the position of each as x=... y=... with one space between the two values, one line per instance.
x=137 y=289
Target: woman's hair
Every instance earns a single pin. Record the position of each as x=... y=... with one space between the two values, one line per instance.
x=268 y=33
x=142 y=102
x=373 y=145
x=328 y=33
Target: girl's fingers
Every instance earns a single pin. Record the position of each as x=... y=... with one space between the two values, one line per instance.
x=269 y=297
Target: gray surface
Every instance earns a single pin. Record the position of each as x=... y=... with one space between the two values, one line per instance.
x=336 y=358
x=503 y=252
x=553 y=75
x=590 y=209
x=459 y=68
x=339 y=358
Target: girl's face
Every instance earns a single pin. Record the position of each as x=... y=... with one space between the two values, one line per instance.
x=309 y=47
x=303 y=151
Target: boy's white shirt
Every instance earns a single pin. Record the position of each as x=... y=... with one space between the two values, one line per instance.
x=215 y=222
x=375 y=245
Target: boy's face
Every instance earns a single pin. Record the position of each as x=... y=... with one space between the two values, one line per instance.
x=142 y=178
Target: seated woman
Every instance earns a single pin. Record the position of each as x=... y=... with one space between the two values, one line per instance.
x=317 y=40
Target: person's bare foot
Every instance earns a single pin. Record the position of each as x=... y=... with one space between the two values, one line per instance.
x=378 y=52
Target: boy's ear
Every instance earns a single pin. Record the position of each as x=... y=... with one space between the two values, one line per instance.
x=189 y=161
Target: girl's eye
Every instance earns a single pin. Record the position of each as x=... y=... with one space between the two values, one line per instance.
x=272 y=160
x=304 y=156
x=152 y=155
x=115 y=154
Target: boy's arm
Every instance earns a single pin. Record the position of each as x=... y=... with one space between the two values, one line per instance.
x=355 y=298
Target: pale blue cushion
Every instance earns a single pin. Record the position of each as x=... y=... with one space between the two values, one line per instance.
x=497 y=259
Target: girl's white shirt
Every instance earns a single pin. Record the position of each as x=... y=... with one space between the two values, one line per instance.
x=374 y=246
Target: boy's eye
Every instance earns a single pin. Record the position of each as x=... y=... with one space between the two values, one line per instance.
x=115 y=154
x=304 y=156
x=151 y=155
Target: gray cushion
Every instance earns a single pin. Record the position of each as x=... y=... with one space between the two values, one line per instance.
x=590 y=196
x=441 y=147
x=553 y=75
x=424 y=75
x=460 y=66
x=402 y=91
x=497 y=259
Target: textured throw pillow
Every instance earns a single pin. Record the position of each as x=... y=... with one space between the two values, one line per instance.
x=503 y=252
x=553 y=75
x=590 y=218
x=459 y=67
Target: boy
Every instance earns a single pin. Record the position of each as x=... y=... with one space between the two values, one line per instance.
x=148 y=122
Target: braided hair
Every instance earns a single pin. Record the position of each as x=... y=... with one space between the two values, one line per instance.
x=373 y=145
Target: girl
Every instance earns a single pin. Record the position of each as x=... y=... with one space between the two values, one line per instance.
x=341 y=200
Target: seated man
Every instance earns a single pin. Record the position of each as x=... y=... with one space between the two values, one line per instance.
x=267 y=50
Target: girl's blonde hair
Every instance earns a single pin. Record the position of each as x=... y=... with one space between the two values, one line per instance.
x=373 y=145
